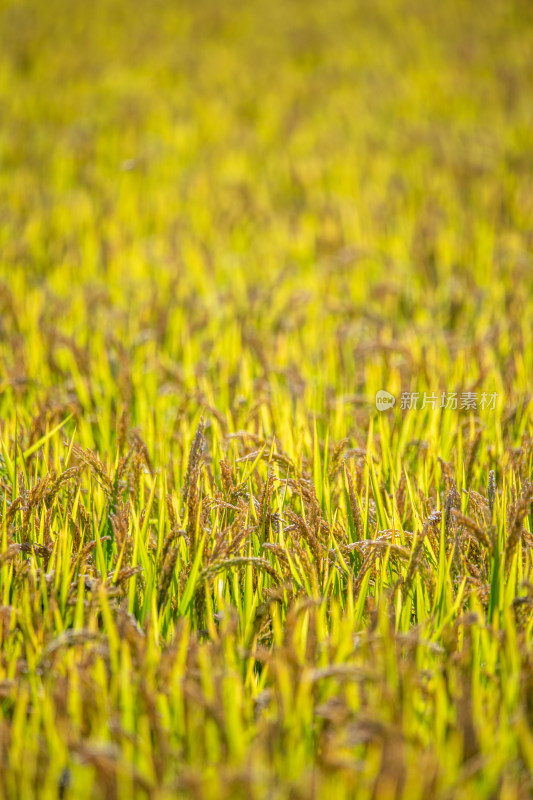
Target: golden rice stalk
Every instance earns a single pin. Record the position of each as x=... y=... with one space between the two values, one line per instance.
x=367 y=564
x=228 y=563
x=167 y=572
x=190 y=487
x=515 y=528
x=492 y=491
x=354 y=507
x=307 y=534
x=278 y=551
x=97 y=468
x=447 y=474
x=120 y=523
x=479 y=534
x=417 y=554
x=142 y=449
x=400 y=496
x=122 y=430
x=336 y=458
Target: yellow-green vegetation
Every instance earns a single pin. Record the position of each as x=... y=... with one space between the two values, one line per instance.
x=224 y=227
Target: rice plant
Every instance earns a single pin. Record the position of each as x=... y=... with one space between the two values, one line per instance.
x=266 y=429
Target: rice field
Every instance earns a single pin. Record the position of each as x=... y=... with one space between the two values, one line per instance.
x=266 y=400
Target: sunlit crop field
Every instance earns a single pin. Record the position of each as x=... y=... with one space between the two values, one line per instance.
x=266 y=400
